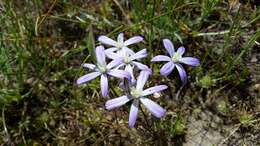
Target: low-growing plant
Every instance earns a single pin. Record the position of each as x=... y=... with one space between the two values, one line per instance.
x=124 y=64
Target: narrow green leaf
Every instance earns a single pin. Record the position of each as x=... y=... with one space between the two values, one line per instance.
x=91 y=43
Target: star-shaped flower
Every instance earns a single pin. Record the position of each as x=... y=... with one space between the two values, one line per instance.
x=129 y=61
x=104 y=70
x=120 y=44
x=137 y=93
x=174 y=60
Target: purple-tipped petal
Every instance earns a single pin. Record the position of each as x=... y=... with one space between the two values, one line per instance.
x=133 y=40
x=115 y=62
x=104 y=85
x=133 y=113
x=154 y=89
x=168 y=46
x=119 y=74
x=190 y=61
x=160 y=58
x=106 y=40
x=142 y=78
x=182 y=73
x=153 y=107
x=116 y=102
x=88 y=77
x=181 y=50
x=89 y=66
x=120 y=38
x=100 y=54
x=142 y=67
x=167 y=68
x=139 y=54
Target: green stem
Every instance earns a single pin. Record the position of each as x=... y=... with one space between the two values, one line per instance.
x=4 y=125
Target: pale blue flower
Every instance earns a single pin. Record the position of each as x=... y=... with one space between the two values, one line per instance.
x=138 y=94
x=129 y=61
x=104 y=70
x=120 y=44
x=174 y=60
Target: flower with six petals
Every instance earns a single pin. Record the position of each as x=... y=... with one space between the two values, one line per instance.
x=129 y=61
x=120 y=44
x=174 y=59
x=138 y=94
x=104 y=70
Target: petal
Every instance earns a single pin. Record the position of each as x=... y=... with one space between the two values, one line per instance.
x=168 y=46
x=106 y=40
x=114 y=63
x=181 y=50
x=161 y=58
x=121 y=53
x=167 y=68
x=100 y=54
x=124 y=53
x=129 y=69
x=109 y=51
x=88 y=77
x=112 y=55
x=153 y=107
x=119 y=66
x=133 y=113
x=89 y=66
x=128 y=50
x=142 y=66
x=182 y=73
x=142 y=78
x=122 y=85
x=154 y=89
x=133 y=40
x=120 y=38
x=116 y=102
x=119 y=74
x=139 y=54
x=190 y=61
x=112 y=49
x=104 y=85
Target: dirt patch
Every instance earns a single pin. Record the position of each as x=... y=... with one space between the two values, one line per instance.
x=208 y=129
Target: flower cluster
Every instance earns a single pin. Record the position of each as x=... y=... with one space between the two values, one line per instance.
x=124 y=64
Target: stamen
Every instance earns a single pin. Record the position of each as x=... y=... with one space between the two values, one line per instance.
x=136 y=93
x=176 y=57
x=120 y=45
x=127 y=59
x=102 y=68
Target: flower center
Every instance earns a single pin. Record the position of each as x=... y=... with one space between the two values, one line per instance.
x=127 y=59
x=176 y=57
x=102 y=68
x=136 y=93
x=120 y=45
